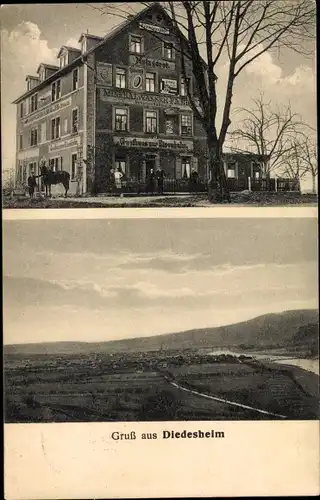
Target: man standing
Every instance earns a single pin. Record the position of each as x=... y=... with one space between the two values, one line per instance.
x=32 y=184
x=160 y=175
x=193 y=180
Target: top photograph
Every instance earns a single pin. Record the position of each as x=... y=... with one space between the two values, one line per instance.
x=159 y=104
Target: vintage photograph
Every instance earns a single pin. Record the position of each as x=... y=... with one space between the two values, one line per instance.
x=159 y=104
x=116 y=320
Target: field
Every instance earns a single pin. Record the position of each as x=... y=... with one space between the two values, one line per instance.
x=153 y=386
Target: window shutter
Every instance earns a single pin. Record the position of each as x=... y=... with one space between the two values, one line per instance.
x=178 y=167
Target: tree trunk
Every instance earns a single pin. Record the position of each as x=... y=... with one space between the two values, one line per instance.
x=218 y=190
x=313 y=184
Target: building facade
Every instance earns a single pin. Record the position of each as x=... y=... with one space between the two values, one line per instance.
x=118 y=102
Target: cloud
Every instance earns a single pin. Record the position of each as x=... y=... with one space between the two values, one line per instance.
x=23 y=49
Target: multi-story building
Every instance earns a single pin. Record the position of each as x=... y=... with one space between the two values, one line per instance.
x=119 y=101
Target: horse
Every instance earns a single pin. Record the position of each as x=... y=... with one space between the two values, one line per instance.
x=51 y=177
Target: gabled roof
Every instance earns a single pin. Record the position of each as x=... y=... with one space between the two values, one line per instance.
x=68 y=49
x=88 y=35
x=31 y=77
x=47 y=66
x=122 y=26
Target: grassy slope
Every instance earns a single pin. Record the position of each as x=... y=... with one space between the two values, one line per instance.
x=267 y=330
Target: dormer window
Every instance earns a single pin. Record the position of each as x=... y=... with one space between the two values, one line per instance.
x=64 y=60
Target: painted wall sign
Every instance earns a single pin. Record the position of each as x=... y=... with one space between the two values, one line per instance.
x=53 y=108
x=150 y=63
x=64 y=144
x=168 y=86
x=154 y=28
x=155 y=143
x=131 y=97
x=104 y=74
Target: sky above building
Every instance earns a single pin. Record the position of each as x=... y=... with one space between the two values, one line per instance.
x=99 y=280
x=33 y=33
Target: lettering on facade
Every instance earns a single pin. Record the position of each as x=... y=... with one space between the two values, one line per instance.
x=66 y=143
x=131 y=97
x=53 y=108
x=140 y=142
x=104 y=74
x=150 y=63
x=154 y=28
x=169 y=86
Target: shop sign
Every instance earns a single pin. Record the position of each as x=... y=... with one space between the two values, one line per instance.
x=64 y=144
x=130 y=97
x=155 y=143
x=169 y=86
x=53 y=108
x=151 y=63
x=154 y=28
x=104 y=74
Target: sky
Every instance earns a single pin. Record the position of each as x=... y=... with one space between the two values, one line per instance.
x=100 y=280
x=33 y=33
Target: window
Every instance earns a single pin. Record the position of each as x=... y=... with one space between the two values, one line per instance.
x=65 y=126
x=75 y=124
x=64 y=60
x=54 y=164
x=231 y=170
x=169 y=126
x=120 y=163
x=34 y=103
x=56 y=90
x=120 y=78
x=183 y=86
x=74 y=159
x=20 y=142
x=186 y=167
x=150 y=82
x=55 y=128
x=151 y=122
x=186 y=124
x=121 y=119
x=21 y=109
x=136 y=44
x=168 y=50
x=42 y=76
x=75 y=79
x=34 y=137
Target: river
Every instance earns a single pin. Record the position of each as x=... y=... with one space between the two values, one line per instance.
x=310 y=365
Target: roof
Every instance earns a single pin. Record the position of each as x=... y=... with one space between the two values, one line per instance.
x=69 y=49
x=32 y=76
x=88 y=35
x=114 y=32
x=47 y=66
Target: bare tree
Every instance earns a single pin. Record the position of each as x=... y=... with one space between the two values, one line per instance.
x=236 y=31
x=271 y=132
x=302 y=160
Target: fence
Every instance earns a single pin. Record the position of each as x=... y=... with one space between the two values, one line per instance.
x=171 y=185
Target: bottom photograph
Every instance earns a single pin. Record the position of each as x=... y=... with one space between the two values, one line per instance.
x=115 y=320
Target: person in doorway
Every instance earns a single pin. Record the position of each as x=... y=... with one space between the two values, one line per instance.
x=118 y=180
x=150 y=181
x=160 y=175
x=32 y=184
x=193 y=180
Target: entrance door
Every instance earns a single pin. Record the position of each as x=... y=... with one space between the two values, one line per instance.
x=150 y=163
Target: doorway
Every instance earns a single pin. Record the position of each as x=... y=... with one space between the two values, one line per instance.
x=150 y=163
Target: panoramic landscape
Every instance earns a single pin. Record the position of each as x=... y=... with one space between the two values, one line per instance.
x=88 y=308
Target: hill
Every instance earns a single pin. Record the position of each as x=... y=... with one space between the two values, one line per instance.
x=288 y=328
